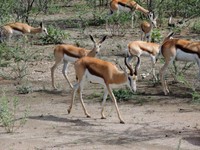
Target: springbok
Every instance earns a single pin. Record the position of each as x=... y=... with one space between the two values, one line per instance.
x=18 y=28
x=140 y=48
x=147 y=27
x=69 y=53
x=118 y=5
x=105 y=73
x=178 y=49
x=178 y=23
x=170 y=22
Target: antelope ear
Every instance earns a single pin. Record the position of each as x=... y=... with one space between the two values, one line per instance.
x=91 y=37
x=103 y=39
x=156 y=17
x=41 y=24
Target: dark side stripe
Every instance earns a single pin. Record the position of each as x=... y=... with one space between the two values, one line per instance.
x=125 y=5
x=187 y=50
x=14 y=28
x=71 y=54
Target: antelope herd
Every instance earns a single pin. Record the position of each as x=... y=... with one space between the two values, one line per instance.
x=104 y=72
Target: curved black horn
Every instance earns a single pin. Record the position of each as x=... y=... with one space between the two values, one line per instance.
x=137 y=65
x=128 y=66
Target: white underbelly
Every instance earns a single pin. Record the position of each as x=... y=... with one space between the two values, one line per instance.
x=69 y=59
x=16 y=32
x=144 y=53
x=124 y=9
x=183 y=56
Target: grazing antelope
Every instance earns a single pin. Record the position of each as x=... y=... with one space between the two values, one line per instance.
x=118 y=5
x=69 y=53
x=178 y=49
x=18 y=28
x=170 y=23
x=105 y=73
x=178 y=23
x=140 y=48
x=147 y=27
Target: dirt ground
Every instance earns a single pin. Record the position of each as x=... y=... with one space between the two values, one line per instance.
x=152 y=121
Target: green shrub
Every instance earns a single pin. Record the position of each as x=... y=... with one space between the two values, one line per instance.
x=6 y=54
x=24 y=89
x=16 y=59
x=196 y=27
x=195 y=96
x=55 y=36
x=156 y=36
x=8 y=110
x=123 y=94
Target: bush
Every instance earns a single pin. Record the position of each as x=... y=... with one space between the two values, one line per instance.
x=55 y=36
x=16 y=59
x=6 y=54
x=196 y=27
x=8 y=110
x=156 y=36
x=24 y=89
x=123 y=94
x=195 y=96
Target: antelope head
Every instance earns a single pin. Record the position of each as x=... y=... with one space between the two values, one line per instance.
x=153 y=18
x=97 y=45
x=44 y=30
x=132 y=76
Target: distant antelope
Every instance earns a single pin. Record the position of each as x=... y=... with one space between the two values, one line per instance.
x=147 y=27
x=18 y=28
x=171 y=23
x=178 y=49
x=105 y=73
x=69 y=53
x=118 y=5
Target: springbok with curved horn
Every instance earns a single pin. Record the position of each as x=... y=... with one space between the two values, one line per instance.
x=147 y=27
x=178 y=49
x=138 y=48
x=69 y=53
x=105 y=73
x=142 y=48
x=118 y=5
x=18 y=28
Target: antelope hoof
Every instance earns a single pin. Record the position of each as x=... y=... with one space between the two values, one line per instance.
x=166 y=93
x=103 y=117
x=55 y=89
x=88 y=116
x=122 y=122
x=69 y=110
